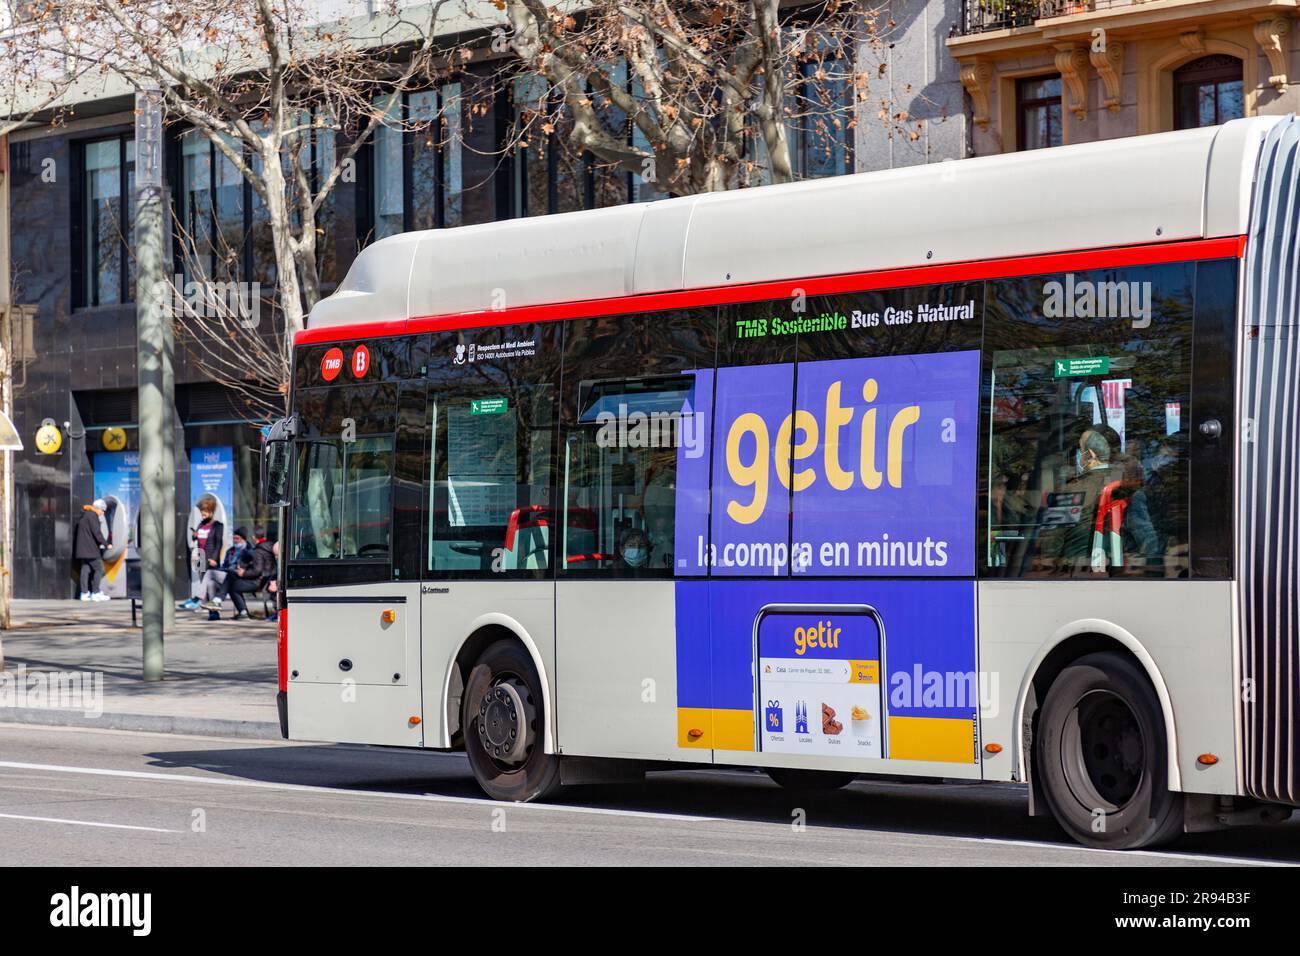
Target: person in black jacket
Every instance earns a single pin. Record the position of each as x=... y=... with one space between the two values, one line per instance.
x=256 y=566
x=88 y=549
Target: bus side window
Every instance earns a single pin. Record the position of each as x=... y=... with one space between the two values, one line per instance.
x=367 y=489
x=634 y=456
x=492 y=432
x=318 y=509
x=1086 y=418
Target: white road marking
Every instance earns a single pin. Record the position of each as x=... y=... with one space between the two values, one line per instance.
x=343 y=791
x=600 y=811
x=1160 y=854
x=84 y=823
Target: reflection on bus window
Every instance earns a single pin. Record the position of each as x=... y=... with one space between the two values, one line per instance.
x=366 y=507
x=319 y=507
x=344 y=504
x=1088 y=433
x=621 y=473
x=490 y=482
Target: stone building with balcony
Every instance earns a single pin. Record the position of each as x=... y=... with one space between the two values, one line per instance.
x=1052 y=72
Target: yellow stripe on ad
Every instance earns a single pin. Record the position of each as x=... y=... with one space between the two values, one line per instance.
x=705 y=728
x=943 y=739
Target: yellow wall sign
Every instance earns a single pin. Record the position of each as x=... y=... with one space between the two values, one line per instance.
x=48 y=438
x=114 y=438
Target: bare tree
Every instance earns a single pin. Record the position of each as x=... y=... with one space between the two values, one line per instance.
x=35 y=74
x=270 y=84
x=711 y=89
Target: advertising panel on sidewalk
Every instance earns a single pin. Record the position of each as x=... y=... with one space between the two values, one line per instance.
x=212 y=472
x=117 y=481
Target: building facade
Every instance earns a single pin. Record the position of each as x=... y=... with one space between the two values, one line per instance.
x=1049 y=72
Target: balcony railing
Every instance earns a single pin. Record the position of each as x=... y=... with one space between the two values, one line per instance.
x=981 y=16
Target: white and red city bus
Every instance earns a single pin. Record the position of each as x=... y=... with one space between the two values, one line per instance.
x=980 y=470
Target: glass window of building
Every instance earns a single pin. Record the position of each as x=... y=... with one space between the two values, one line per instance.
x=1038 y=112
x=1208 y=92
x=417 y=162
x=388 y=213
x=107 y=179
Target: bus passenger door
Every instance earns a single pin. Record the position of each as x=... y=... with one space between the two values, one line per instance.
x=633 y=651
x=353 y=655
x=489 y=435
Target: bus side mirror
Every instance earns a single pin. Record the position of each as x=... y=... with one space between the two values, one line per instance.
x=276 y=455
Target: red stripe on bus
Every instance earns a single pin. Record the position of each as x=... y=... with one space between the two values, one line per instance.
x=1112 y=258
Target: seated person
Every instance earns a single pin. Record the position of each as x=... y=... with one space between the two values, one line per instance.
x=1068 y=548
x=212 y=578
x=633 y=550
x=254 y=570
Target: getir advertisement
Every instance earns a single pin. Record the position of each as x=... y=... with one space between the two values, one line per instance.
x=818 y=685
x=861 y=470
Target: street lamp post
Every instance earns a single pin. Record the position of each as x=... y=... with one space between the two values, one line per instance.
x=154 y=367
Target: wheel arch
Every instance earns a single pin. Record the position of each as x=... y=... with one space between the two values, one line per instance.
x=1063 y=648
x=484 y=631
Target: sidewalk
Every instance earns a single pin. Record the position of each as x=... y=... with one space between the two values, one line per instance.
x=220 y=675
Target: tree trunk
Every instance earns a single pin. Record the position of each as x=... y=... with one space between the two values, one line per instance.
x=288 y=288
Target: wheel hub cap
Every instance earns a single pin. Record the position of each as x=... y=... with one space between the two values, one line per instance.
x=503 y=724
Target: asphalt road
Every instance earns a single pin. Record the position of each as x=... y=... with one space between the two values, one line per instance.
x=86 y=797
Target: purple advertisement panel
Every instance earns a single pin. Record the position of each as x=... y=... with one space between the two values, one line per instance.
x=878 y=455
x=751 y=506
x=884 y=465
x=691 y=494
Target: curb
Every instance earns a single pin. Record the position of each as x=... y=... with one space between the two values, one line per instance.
x=146 y=723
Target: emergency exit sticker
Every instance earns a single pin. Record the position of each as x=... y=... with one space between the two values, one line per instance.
x=488 y=406
x=1070 y=367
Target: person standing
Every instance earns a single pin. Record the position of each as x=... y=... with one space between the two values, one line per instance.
x=208 y=537
x=88 y=549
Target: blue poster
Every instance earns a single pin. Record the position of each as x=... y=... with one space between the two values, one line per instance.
x=117 y=481
x=212 y=472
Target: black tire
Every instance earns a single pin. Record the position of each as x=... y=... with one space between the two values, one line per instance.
x=1100 y=755
x=809 y=781
x=502 y=680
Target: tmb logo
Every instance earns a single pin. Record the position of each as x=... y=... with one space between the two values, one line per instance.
x=331 y=364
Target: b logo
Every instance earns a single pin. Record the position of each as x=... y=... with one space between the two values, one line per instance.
x=360 y=361
x=331 y=364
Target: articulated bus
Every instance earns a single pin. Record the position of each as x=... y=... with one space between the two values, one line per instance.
x=979 y=471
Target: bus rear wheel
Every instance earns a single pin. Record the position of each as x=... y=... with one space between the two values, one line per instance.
x=1100 y=753
x=503 y=720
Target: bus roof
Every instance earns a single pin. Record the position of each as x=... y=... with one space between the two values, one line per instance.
x=1192 y=184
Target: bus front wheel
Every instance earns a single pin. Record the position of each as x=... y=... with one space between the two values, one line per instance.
x=503 y=720
x=1100 y=753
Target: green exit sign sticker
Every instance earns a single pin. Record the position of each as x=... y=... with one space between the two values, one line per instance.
x=1070 y=367
x=488 y=406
